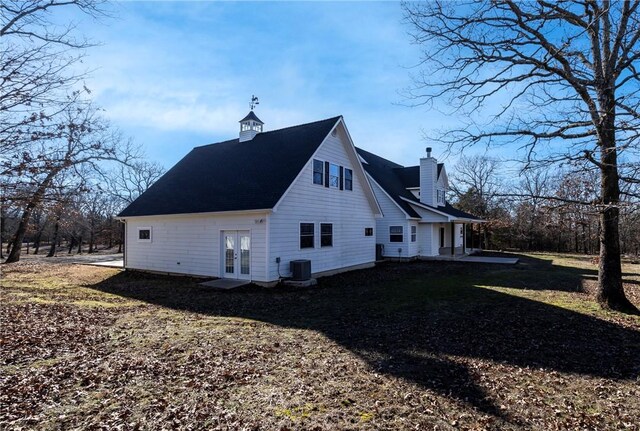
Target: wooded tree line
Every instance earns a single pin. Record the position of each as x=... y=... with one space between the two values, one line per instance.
x=78 y=216
x=520 y=216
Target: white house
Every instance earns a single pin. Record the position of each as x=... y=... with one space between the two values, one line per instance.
x=418 y=221
x=247 y=207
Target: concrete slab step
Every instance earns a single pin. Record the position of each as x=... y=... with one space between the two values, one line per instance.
x=225 y=283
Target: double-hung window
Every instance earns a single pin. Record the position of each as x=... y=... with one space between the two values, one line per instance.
x=414 y=233
x=334 y=176
x=396 y=234
x=326 y=234
x=318 y=172
x=348 y=179
x=307 y=239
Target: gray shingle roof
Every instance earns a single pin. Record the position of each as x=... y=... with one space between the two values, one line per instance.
x=386 y=173
x=233 y=175
x=456 y=212
x=395 y=179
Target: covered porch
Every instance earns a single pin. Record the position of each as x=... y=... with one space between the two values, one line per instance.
x=459 y=238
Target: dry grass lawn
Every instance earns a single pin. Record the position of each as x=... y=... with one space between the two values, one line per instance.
x=420 y=345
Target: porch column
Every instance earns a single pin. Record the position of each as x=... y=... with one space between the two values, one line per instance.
x=464 y=237
x=453 y=238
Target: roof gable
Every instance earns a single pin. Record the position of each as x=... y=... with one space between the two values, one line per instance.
x=389 y=176
x=233 y=175
x=443 y=179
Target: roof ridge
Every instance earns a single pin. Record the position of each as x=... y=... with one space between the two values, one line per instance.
x=272 y=131
x=391 y=163
x=217 y=143
x=302 y=125
x=406 y=167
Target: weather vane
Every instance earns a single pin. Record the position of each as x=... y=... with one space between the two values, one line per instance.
x=254 y=102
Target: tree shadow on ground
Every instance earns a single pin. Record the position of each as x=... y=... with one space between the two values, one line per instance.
x=409 y=319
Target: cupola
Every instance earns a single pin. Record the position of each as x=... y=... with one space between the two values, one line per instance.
x=250 y=125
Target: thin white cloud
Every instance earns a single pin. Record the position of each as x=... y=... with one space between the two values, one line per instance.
x=191 y=69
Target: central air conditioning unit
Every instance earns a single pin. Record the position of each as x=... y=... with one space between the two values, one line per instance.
x=300 y=269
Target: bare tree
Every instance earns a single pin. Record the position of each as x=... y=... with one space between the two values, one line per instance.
x=565 y=76
x=82 y=142
x=38 y=69
x=126 y=182
x=475 y=184
x=533 y=185
x=478 y=173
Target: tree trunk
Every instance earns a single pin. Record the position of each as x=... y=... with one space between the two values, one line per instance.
x=610 y=290
x=79 y=245
x=36 y=242
x=2 y=222
x=37 y=197
x=121 y=235
x=91 y=239
x=56 y=229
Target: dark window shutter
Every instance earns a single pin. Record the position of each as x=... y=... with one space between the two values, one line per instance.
x=341 y=179
x=326 y=174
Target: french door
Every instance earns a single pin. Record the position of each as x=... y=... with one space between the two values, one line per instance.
x=236 y=256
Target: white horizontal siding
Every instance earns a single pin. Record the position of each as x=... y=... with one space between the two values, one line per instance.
x=348 y=210
x=413 y=246
x=191 y=244
x=429 y=239
x=458 y=235
x=393 y=216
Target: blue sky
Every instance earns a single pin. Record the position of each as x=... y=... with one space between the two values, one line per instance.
x=174 y=75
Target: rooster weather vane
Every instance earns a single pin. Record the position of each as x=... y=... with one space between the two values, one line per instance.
x=254 y=102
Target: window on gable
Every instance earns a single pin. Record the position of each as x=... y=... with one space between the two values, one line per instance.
x=318 y=172
x=326 y=234
x=440 y=196
x=396 y=234
x=306 y=235
x=368 y=231
x=414 y=233
x=348 y=179
x=334 y=176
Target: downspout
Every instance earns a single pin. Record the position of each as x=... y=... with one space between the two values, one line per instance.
x=124 y=245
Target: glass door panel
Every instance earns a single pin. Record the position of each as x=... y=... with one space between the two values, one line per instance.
x=245 y=254
x=229 y=253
